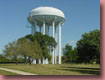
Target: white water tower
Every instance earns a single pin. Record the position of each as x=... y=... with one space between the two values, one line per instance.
x=46 y=18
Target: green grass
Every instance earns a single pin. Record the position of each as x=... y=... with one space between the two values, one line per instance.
x=63 y=69
x=2 y=72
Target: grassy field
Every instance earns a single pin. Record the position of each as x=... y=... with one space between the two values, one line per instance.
x=2 y=72
x=50 y=69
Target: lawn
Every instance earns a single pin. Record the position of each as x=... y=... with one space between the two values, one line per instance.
x=2 y=72
x=50 y=69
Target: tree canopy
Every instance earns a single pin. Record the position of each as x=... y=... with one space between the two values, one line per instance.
x=30 y=47
x=88 y=47
x=70 y=54
x=39 y=46
x=46 y=42
x=86 y=51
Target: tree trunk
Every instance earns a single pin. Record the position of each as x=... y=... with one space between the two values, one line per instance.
x=16 y=61
x=29 y=59
x=25 y=59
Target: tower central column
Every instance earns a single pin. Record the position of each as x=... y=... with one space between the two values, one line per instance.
x=32 y=29
x=59 y=43
x=55 y=50
x=53 y=25
x=35 y=27
x=43 y=27
x=40 y=28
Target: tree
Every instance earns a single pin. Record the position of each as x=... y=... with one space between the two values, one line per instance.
x=74 y=55
x=46 y=42
x=88 y=47
x=42 y=39
x=1 y=58
x=30 y=47
x=36 y=51
x=70 y=55
x=30 y=50
x=24 y=48
x=12 y=51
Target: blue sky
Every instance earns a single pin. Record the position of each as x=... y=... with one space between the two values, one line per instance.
x=81 y=16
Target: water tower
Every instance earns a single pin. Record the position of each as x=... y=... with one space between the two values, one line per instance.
x=46 y=18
